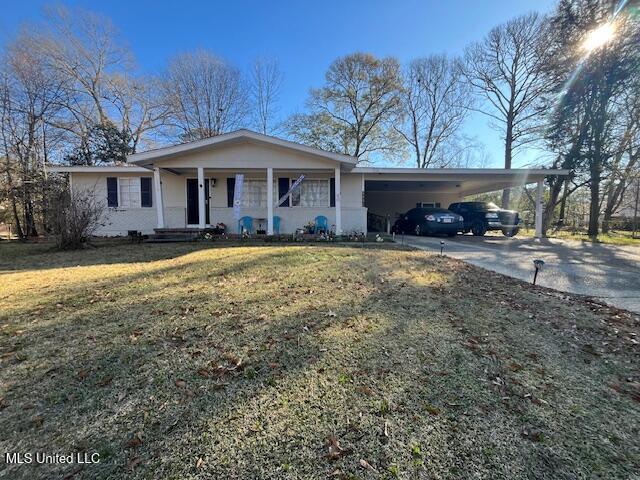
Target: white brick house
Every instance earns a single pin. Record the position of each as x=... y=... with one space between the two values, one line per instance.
x=192 y=186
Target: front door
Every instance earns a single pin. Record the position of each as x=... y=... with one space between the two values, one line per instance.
x=193 y=210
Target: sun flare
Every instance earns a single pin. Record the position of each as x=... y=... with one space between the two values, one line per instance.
x=599 y=37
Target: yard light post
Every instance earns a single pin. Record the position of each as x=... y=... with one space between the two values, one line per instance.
x=441 y=246
x=538 y=264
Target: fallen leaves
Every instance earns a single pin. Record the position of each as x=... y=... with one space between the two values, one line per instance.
x=135 y=440
x=533 y=434
x=133 y=463
x=630 y=388
x=104 y=381
x=335 y=451
x=367 y=466
x=433 y=410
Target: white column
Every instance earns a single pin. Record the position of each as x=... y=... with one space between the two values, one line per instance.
x=363 y=206
x=338 y=202
x=539 y=196
x=269 y=201
x=201 y=202
x=158 y=197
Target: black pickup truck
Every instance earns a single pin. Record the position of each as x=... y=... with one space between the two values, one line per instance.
x=480 y=217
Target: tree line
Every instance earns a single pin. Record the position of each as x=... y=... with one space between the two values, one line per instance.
x=70 y=91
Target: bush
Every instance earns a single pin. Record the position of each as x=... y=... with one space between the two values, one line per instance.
x=76 y=216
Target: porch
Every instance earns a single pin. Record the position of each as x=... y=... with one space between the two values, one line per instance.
x=200 y=198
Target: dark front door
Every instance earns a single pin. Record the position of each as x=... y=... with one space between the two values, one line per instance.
x=193 y=216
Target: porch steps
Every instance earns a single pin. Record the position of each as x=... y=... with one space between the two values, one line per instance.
x=173 y=235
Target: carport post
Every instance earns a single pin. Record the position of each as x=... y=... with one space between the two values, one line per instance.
x=539 y=195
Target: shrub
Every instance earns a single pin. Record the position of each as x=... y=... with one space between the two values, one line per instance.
x=75 y=217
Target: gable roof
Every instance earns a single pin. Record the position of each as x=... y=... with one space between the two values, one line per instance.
x=235 y=136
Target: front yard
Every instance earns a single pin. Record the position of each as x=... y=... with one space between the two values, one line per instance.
x=197 y=361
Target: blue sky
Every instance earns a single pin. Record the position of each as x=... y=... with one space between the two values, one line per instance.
x=303 y=36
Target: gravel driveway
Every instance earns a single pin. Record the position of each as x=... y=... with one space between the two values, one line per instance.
x=606 y=272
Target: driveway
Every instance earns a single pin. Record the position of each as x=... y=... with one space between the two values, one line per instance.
x=606 y=272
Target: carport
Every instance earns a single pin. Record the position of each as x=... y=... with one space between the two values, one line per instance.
x=390 y=191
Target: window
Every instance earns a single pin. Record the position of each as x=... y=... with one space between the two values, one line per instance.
x=129 y=192
x=311 y=193
x=254 y=193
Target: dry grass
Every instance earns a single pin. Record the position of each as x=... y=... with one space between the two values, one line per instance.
x=185 y=361
x=617 y=237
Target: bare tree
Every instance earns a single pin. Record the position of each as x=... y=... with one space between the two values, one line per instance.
x=505 y=69
x=205 y=96
x=360 y=98
x=138 y=105
x=435 y=102
x=624 y=167
x=83 y=47
x=30 y=96
x=266 y=83
x=593 y=72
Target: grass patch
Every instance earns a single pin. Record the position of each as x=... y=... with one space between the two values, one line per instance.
x=620 y=237
x=191 y=361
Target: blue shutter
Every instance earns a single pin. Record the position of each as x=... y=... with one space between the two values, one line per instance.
x=145 y=192
x=332 y=192
x=283 y=188
x=112 y=191
x=231 y=186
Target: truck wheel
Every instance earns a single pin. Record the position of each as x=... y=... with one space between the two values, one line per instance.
x=510 y=232
x=478 y=229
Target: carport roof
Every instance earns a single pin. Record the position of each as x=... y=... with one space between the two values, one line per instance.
x=427 y=172
x=462 y=181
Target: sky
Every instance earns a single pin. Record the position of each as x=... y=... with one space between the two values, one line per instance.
x=303 y=36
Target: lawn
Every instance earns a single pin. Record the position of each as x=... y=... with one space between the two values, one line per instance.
x=201 y=361
x=618 y=237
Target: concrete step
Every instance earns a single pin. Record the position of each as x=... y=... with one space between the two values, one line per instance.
x=169 y=238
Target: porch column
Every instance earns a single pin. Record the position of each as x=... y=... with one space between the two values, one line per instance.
x=269 y=201
x=201 y=202
x=338 y=201
x=158 y=197
x=539 y=196
x=363 y=202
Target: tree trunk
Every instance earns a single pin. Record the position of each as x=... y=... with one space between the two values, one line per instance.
x=554 y=193
x=508 y=154
x=563 y=204
x=16 y=217
x=594 y=207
